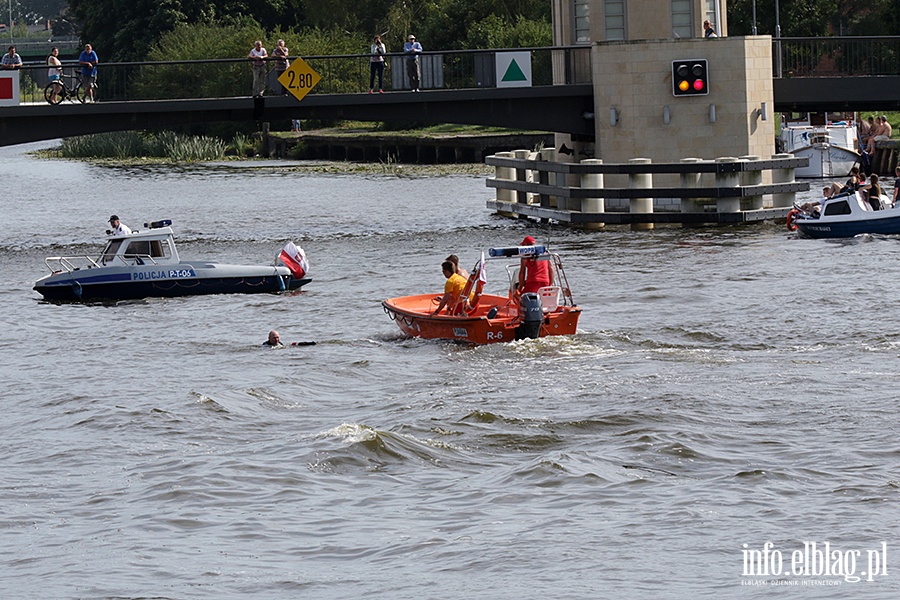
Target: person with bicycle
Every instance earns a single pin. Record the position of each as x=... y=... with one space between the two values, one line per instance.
x=54 y=74
x=88 y=61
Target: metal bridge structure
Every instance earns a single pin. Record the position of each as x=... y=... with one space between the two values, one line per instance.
x=810 y=75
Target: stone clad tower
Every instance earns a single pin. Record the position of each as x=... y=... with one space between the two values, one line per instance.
x=636 y=114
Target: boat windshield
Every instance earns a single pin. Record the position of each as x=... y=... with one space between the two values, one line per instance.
x=151 y=248
x=110 y=251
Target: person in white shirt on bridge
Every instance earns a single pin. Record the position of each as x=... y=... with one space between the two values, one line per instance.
x=376 y=64
x=258 y=56
x=11 y=60
x=281 y=54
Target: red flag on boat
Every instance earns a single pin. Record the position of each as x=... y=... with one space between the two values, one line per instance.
x=294 y=259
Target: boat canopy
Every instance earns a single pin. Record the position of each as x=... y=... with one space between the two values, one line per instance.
x=156 y=246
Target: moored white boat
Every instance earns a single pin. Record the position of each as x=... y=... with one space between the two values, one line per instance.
x=831 y=149
x=146 y=264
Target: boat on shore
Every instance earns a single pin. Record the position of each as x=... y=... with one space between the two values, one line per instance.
x=831 y=147
x=481 y=318
x=843 y=216
x=145 y=264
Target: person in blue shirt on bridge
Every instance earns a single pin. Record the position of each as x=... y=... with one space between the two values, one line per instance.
x=412 y=49
x=88 y=61
x=11 y=60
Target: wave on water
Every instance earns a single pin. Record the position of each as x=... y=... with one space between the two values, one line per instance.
x=362 y=446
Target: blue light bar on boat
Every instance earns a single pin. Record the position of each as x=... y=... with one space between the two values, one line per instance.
x=158 y=224
x=517 y=251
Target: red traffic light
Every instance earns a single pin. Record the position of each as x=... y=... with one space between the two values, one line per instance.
x=690 y=77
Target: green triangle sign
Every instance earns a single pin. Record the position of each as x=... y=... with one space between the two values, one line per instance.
x=514 y=72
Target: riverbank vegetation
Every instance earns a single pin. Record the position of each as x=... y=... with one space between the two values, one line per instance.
x=131 y=144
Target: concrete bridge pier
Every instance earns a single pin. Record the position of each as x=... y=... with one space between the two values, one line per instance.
x=640 y=205
x=688 y=181
x=523 y=175
x=782 y=176
x=592 y=205
x=752 y=178
x=728 y=180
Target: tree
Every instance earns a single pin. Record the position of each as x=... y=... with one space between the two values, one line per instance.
x=122 y=31
x=815 y=18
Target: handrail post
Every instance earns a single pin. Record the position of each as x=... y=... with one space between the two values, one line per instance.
x=504 y=174
x=592 y=205
x=726 y=180
x=549 y=155
x=640 y=205
x=522 y=175
x=752 y=178
x=783 y=176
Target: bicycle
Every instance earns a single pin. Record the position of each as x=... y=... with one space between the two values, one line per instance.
x=59 y=91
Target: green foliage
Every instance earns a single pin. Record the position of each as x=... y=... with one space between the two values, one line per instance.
x=39 y=11
x=196 y=42
x=494 y=32
x=209 y=41
x=121 y=31
x=806 y=18
x=243 y=145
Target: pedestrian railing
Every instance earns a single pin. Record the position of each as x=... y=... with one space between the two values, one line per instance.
x=340 y=74
x=836 y=56
x=458 y=69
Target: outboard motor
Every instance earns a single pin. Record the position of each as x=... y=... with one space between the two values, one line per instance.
x=530 y=307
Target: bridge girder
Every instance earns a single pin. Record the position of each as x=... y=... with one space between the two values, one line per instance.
x=565 y=109
x=562 y=109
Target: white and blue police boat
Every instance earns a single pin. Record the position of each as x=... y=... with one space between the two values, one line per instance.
x=145 y=264
x=843 y=216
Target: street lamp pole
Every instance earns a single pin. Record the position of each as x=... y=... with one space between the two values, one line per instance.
x=777 y=22
x=754 y=17
x=10 y=21
x=777 y=42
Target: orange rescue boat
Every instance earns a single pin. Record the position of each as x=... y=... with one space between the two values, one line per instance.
x=481 y=318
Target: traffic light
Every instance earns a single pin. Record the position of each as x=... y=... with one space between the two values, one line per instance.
x=690 y=78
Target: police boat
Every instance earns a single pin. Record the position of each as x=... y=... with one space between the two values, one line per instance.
x=145 y=264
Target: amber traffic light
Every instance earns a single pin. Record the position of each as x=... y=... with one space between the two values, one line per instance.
x=690 y=77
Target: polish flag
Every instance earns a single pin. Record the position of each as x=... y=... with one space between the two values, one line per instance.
x=482 y=273
x=294 y=259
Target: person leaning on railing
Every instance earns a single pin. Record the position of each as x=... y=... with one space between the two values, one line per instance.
x=11 y=60
x=88 y=61
x=258 y=56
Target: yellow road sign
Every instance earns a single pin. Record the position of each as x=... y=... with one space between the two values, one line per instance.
x=299 y=78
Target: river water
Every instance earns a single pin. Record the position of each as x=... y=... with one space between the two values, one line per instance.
x=728 y=388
